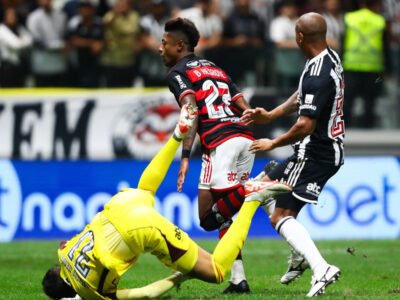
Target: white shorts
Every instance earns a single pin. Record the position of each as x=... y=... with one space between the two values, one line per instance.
x=227 y=165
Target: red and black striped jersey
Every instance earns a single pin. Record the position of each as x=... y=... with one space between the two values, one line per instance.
x=215 y=93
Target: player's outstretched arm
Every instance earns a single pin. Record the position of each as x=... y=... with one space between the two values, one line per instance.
x=259 y=115
x=153 y=290
x=304 y=126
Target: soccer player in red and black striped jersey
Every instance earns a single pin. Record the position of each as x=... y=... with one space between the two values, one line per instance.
x=225 y=140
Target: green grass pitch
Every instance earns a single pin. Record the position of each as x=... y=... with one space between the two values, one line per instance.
x=370 y=270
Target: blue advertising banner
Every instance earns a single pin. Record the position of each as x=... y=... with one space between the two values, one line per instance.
x=46 y=200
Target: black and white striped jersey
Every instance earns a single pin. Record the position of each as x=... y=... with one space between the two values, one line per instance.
x=321 y=91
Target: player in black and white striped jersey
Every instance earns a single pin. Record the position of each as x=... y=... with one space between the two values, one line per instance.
x=317 y=137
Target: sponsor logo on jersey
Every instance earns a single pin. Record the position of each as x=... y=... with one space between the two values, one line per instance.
x=178 y=233
x=10 y=201
x=245 y=176
x=314 y=189
x=182 y=85
x=308 y=106
x=193 y=64
x=308 y=99
x=205 y=62
x=232 y=176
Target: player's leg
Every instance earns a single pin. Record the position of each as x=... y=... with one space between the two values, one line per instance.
x=238 y=282
x=229 y=205
x=299 y=239
x=221 y=193
x=155 y=172
x=286 y=210
x=210 y=219
x=297 y=264
x=223 y=170
x=214 y=268
x=217 y=208
x=234 y=166
x=232 y=242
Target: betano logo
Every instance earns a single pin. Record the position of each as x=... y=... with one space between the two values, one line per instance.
x=360 y=201
x=10 y=201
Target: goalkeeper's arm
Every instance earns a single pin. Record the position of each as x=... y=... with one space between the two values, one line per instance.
x=153 y=290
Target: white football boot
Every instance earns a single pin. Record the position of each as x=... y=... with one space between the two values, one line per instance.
x=297 y=265
x=320 y=283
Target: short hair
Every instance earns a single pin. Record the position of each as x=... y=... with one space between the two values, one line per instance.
x=370 y=3
x=54 y=286
x=186 y=28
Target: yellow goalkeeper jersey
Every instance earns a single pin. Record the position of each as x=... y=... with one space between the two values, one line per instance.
x=94 y=260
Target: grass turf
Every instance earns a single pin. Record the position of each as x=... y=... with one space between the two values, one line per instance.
x=370 y=270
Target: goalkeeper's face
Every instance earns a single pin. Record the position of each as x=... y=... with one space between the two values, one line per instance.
x=54 y=286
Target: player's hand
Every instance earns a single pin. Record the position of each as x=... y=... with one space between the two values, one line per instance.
x=183 y=169
x=256 y=115
x=262 y=145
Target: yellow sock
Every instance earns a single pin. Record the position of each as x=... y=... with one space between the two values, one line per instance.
x=155 y=172
x=232 y=242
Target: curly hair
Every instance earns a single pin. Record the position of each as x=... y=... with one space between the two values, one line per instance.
x=185 y=27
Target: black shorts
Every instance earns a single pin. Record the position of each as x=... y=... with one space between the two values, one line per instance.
x=306 y=176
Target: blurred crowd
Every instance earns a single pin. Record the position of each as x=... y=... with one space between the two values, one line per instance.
x=114 y=43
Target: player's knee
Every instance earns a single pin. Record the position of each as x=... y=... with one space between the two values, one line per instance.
x=209 y=222
x=274 y=219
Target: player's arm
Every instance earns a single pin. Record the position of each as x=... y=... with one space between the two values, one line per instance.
x=304 y=126
x=153 y=290
x=189 y=139
x=187 y=143
x=241 y=104
x=319 y=93
x=259 y=115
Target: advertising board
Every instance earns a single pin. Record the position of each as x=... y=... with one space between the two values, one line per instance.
x=55 y=199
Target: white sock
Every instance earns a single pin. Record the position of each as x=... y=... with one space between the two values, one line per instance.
x=299 y=238
x=237 y=272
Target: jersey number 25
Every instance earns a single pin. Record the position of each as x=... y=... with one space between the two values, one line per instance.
x=221 y=89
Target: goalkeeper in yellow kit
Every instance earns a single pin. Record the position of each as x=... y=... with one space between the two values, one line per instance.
x=92 y=262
